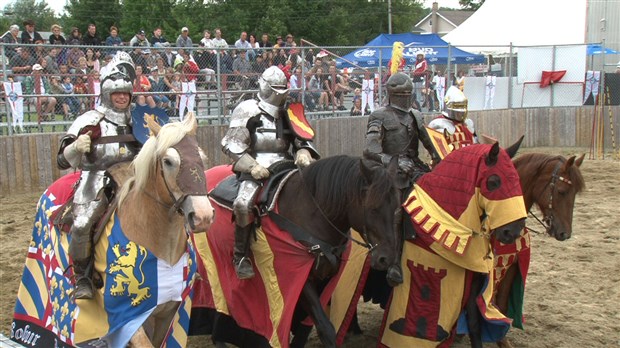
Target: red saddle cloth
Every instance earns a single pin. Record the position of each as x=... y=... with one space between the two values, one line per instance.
x=551 y=77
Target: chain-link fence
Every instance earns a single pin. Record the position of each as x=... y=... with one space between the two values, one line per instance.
x=329 y=81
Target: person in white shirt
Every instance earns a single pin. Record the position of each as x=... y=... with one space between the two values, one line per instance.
x=218 y=41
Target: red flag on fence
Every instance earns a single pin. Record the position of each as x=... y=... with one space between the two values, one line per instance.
x=551 y=77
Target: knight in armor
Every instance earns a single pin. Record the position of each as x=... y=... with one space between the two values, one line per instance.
x=453 y=122
x=394 y=131
x=260 y=135
x=95 y=141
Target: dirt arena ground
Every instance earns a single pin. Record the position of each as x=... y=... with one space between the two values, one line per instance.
x=573 y=288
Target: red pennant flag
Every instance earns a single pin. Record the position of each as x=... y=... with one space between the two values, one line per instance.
x=551 y=77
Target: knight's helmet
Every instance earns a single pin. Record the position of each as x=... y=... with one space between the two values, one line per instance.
x=456 y=104
x=117 y=77
x=399 y=88
x=272 y=87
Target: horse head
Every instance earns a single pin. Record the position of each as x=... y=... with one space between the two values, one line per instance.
x=178 y=167
x=381 y=201
x=552 y=182
x=501 y=196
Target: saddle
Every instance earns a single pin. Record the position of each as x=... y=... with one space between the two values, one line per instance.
x=226 y=191
x=118 y=173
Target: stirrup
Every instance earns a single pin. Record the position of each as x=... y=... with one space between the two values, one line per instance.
x=243 y=268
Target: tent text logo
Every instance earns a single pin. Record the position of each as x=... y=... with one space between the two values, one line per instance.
x=366 y=52
x=414 y=51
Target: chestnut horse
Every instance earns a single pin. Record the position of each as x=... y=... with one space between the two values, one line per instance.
x=144 y=259
x=551 y=183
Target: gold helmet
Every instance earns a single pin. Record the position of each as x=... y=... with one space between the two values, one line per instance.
x=456 y=104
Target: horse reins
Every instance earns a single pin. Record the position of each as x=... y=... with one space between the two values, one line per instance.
x=364 y=244
x=547 y=221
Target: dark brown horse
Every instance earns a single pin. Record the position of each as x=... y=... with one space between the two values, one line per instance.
x=551 y=183
x=318 y=205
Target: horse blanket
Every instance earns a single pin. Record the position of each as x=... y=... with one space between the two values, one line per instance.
x=263 y=304
x=134 y=283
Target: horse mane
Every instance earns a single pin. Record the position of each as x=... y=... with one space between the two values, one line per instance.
x=144 y=164
x=539 y=161
x=346 y=183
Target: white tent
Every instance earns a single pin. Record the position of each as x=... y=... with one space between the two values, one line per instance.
x=522 y=23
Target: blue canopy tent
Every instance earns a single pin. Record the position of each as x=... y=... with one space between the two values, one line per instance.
x=598 y=49
x=434 y=48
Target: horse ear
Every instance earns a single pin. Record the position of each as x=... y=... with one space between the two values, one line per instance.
x=152 y=124
x=579 y=160
x=492 y=156
x=366 y=169
x=512 y=149
x=191 y=121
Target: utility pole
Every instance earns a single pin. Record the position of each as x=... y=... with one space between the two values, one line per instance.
x=389 y=16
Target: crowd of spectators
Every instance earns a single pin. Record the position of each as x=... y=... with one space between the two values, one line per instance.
x=72 y=69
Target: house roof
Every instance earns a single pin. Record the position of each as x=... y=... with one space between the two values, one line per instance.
x=454 y=17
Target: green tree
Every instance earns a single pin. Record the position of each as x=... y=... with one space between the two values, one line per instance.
x=20 y=10
x=102 y=13
x=148 y=15
x=471 y=5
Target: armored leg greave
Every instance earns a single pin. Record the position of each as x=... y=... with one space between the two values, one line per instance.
x=241 y=260
x=85 y=216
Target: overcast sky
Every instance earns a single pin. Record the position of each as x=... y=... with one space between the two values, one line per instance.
x=57 y=5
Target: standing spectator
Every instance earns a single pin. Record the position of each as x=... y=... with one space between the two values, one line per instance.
x=184 y=40
x=218 y=41
x=56 y=88
x=419 y=78
x=21 y=64
x=459 y=80
x=56 y=38
x=10 y=37
x=30 y=36
x=157 y=37
x=189 y=68
x=91 y=38
x=139 y=40
x=113 y=40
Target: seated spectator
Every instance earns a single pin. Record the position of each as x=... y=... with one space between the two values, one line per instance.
x=70 y=101
x=92 y=63
x=56 y=88
x=315 y=87
x=73 y=57
x=38 y=84
x=158 y=37
x=184 y=40
x=172 y=80
x=10 y=37
x=82 y=69
x=218 y=41
x=51 y=61
x=113 y=40
x=56 y=38
x=297 y=87
x=80 y=88
x=254 y=48
x=30 y=35
x=139 y=40
x=158 y=85
x=142 y=84
x=242 y=68
x=75 y=38
x=63 y=70
x=21 y=64
x=259 y=65
x=138 y=58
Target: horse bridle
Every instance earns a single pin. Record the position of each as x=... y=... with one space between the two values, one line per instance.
x=190 y=178
x=366 y=244
x=547 y=221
